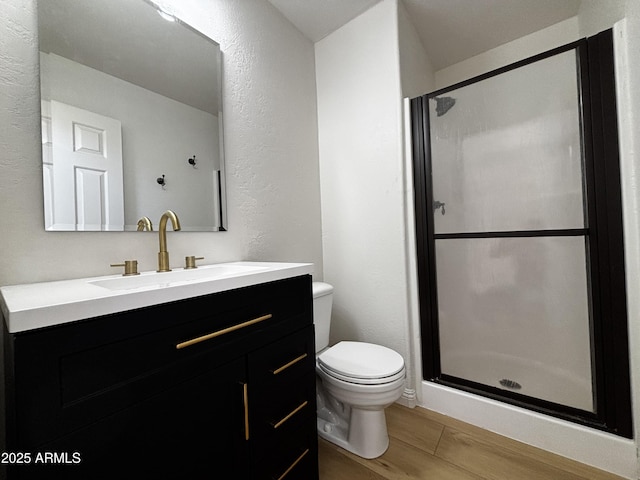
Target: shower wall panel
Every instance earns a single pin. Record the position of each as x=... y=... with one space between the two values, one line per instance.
x=507 y=155
x=514 y=315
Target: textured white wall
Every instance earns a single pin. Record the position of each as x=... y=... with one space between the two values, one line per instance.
x=416 y=71
x=527 y=46
x=362 y=178
x=627 y=38
x=417 y=78
x=597 y=15
x=270 y=140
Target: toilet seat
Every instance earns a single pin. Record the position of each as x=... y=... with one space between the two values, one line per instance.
x=362 y=363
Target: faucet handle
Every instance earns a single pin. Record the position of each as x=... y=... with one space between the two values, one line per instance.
x=190 y=261
x=130 y=267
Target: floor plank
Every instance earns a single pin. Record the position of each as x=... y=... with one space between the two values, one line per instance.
x=425 y=445
x=519 y=448
x=493 y=462
x=336 y=466
x=402 y=424
x=405 y=462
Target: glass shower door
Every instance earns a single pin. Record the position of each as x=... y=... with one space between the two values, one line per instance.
x=520 y=241
x=510 y=235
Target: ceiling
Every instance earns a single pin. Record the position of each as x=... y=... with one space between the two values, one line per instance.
x=130 y=41
x=450 y=30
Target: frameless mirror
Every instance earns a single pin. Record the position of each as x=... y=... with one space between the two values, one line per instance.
x=131 y=118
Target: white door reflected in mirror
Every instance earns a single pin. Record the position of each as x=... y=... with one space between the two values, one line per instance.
x=82 y=169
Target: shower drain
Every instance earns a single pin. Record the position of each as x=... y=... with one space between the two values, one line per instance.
x=505 y=382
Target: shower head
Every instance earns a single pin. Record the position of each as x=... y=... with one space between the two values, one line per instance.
x=444 y=104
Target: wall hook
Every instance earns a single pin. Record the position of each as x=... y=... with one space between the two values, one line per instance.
x=161 y=181
x=192 y=161
x=437 y=204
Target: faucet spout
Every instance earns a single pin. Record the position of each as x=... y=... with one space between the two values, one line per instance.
x=163 y=254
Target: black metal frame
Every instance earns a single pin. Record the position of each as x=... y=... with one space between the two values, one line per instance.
x=603 y=233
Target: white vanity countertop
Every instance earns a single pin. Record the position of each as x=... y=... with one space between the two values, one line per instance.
x=37 y=305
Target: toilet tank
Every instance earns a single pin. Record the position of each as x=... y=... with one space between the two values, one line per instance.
x=322 y=300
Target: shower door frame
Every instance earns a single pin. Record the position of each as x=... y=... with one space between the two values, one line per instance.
x=604 y=229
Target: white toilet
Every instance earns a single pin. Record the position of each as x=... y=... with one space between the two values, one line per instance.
x=356 y=382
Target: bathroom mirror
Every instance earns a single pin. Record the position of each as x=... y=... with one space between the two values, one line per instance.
x=131 y=118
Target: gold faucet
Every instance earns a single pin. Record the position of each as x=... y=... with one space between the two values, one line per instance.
x=163 y=254
x=145 y=224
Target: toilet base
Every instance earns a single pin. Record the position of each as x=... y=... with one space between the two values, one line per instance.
x=362 y=431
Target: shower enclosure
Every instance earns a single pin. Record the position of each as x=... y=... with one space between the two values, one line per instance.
x=521 y=273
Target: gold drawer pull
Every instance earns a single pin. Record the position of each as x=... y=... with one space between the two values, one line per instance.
x=287 y=365
x=293 y=464
x=209 y=336
x=300 y=407
x=245 y=399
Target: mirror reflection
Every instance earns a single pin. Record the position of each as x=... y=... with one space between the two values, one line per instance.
x=131 y=118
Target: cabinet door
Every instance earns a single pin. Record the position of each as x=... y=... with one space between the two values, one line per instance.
x=196 y=429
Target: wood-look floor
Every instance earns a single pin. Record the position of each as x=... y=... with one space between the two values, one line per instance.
x=427 y=446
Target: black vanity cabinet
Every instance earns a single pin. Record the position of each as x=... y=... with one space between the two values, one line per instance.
x=218 y=386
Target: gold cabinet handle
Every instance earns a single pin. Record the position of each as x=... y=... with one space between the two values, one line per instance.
x=287 y=365
x=209 y=336
x=286 y=472
x=245 y=400
x=284 y=419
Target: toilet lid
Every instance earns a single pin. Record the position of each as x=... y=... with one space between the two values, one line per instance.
x=361 y=361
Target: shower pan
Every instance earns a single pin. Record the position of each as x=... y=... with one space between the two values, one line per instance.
x=521 y=278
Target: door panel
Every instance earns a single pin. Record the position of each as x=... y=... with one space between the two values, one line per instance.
x=517 y=310
x=87 y=188
x=47 y=164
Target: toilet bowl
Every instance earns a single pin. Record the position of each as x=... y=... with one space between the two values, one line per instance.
x=356 y=381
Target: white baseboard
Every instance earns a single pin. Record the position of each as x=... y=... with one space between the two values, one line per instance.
x=408 y=398
x=592 y=447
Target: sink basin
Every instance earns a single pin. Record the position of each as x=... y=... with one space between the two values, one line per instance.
x=176 y=277
x=39 y=305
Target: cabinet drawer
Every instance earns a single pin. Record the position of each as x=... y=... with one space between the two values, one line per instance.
x=85 y=373
x=284 y=361
x=271 y=418
x=282 y=376
x=283 y=414
x=72 y=375
x=292 y=458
